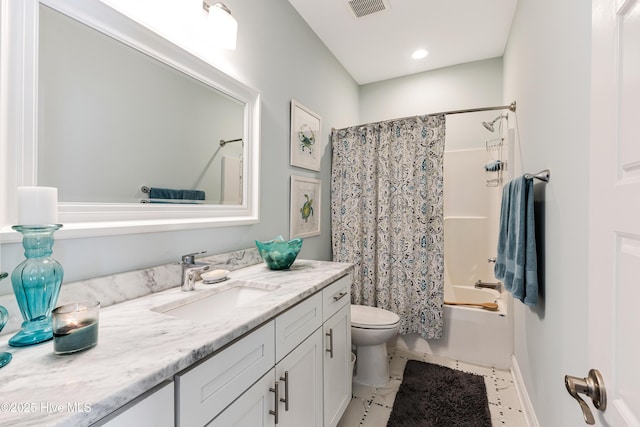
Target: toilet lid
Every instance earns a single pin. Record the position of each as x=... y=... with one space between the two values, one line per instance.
x=363 y=316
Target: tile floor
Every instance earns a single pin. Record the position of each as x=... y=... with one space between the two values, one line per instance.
x=371 y=406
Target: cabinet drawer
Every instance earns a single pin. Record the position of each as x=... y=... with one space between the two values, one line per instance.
x=204 y=391
x=293 y=326
x=335 y=296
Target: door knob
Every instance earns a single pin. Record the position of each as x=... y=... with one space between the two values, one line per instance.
x=593 y=387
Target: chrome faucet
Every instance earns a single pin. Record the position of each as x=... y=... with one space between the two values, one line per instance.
x=496 y=286
x=191 y=270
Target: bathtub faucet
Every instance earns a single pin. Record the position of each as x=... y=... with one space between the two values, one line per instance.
x=496 y=286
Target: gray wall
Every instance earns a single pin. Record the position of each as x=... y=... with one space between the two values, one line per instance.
x=470 y=85
x=546 y=68
x=279 y=55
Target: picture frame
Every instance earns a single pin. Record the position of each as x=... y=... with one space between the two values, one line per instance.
x=306 y=140
x=305 y=207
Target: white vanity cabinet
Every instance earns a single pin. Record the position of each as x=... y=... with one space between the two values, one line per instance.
x=337 y=355
x=292 y=371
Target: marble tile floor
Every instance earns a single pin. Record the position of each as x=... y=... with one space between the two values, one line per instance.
x=371 y=406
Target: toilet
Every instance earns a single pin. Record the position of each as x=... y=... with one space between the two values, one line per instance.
x=371 y=328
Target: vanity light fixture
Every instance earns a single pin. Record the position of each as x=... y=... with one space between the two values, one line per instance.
x=419 y=54
x=223 y=25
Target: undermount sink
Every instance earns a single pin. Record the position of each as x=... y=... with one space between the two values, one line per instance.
x=218 y=302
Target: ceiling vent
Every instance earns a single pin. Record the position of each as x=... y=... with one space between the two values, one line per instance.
x=362 y=8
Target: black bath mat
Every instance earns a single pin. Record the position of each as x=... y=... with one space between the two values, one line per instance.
x=436 y=396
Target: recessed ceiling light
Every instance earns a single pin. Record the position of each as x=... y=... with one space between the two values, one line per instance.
x=419 y=54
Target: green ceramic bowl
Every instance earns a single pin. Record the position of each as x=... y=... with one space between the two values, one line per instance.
x=279 y=254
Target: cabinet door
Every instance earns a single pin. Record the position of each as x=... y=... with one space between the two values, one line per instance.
x=153 y=409
x=337 y=365
x=300 y=384
x=252 y=409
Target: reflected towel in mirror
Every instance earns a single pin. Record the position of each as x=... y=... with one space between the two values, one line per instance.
x=169 y=193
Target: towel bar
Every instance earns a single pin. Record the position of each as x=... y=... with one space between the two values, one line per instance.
x=223 y=142
x=542 y=175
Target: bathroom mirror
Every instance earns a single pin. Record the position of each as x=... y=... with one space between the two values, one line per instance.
x=113 y=120
x=118 y=110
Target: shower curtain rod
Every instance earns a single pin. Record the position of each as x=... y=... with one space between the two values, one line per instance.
x=511 y=107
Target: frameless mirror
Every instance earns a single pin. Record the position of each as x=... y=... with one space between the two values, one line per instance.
x=102 y=107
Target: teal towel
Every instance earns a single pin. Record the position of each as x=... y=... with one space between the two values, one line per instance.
x=516 y=262
x=170 y=193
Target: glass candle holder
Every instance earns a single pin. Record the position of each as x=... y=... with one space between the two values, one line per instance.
x=36 y=283
x=75 y=327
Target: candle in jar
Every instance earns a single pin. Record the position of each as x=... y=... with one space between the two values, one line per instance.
x=75 y=337
x=75 y=327
x=37 y=205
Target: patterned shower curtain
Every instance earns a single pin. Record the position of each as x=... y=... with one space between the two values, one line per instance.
x=387 y=217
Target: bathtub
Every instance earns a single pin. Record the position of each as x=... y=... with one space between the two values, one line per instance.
x=471 y=334
x=468 y=294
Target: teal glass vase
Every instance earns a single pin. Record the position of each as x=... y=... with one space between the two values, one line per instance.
x=4 y=317
x=279 y=254
x=36 y=283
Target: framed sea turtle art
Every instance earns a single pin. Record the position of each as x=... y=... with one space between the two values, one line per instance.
x=305 y=207
x=306 y=142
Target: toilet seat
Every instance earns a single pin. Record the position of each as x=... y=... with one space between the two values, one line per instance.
x=366 y=317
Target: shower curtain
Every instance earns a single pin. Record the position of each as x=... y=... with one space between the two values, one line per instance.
x=387 y=217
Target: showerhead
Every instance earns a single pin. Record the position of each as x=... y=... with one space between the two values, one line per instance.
x=489 y=125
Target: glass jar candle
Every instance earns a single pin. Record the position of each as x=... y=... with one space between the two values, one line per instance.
x=75 y=327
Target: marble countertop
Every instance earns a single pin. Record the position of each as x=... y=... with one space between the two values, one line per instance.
x=139 y=348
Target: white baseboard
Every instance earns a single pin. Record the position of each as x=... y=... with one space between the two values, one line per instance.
x=527 y=407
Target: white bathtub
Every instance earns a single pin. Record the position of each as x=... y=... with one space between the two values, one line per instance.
x=469 y=294
x=471 y=334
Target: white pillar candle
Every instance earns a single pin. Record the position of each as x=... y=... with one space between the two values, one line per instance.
x=37 y=205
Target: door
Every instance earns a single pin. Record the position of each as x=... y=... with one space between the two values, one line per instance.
x=614 y=209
